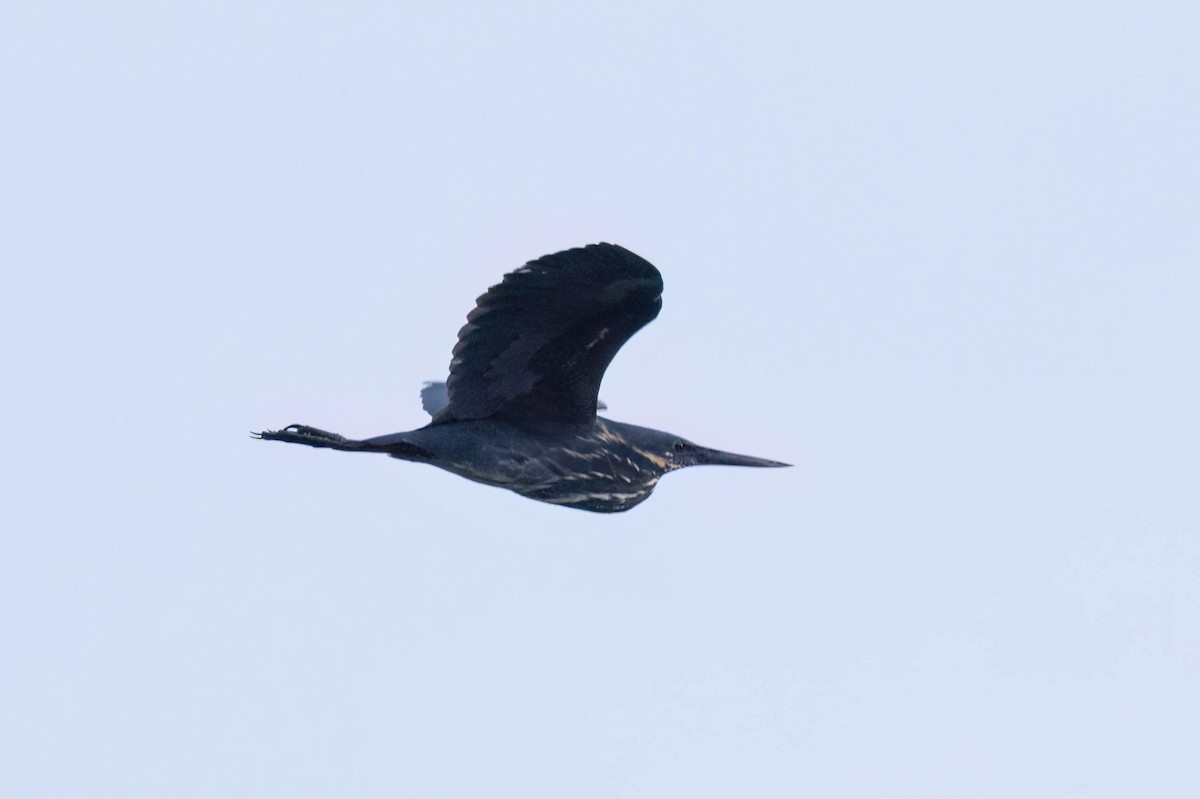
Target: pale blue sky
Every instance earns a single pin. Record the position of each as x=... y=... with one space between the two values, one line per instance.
x=942 y=257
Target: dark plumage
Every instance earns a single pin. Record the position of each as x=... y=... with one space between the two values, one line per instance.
x=519 y=408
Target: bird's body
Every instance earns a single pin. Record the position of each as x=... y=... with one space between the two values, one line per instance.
x=519 y=408
x=592 y=466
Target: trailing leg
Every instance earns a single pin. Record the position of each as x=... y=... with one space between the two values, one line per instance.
x=311 y=436
x=394 y=445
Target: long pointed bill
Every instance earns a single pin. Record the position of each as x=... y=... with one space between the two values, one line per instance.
x=715 y=457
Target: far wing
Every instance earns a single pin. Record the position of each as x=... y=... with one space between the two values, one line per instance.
x=434 y=398
x=537 y=344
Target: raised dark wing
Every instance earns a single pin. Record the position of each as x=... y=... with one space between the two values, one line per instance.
x=537 y=344
x=434 y=398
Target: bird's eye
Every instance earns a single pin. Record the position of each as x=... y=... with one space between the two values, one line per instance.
x=680 y=446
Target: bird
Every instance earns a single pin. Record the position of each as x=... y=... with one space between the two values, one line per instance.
x=518 y=410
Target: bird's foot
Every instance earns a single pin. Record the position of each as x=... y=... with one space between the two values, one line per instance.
x=303 y=434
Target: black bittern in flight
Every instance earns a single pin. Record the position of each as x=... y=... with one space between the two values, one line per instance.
x=518 y=410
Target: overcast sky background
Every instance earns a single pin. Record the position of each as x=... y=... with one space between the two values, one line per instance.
x=943 y=257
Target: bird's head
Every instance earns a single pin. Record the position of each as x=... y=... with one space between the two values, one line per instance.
x=671 y=452
x=685 y=453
